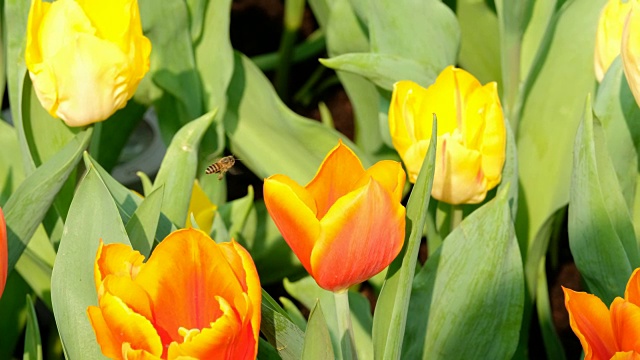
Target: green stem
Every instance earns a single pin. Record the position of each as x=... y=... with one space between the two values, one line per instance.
x=345 y=330
x=455 y=217
x=293 y=12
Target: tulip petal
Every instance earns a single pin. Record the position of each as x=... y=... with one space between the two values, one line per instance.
x=129 y=293
x=289 y=206
x=202 y=208
x=625 y=319
x=589 y=318
x=337 y=175
x=387 y=173
x=126 y=326
x=405 y=115
x=628 y=355
x=132 y=354
x=458 y=177
x=4 y=253
x=226 y=338
x=630 y=51
x=632 y=292
x=493 y=143
x=109 y=344
x=182 y=276
x=364 y=230
x=116 y=259
x=609 y=35
x=414 y=157
x=37 y=12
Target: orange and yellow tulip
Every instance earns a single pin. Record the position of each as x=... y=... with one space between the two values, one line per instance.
x=4 y=254
x=630 y=51
x=193 y=298
x=347 y=223
x=609 y=35
x=471 y=133
x=85 y=58
x=612 y=333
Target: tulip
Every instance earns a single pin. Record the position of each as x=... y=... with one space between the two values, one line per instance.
x=193 y=298
x=85 y=58
x=346 y=224
x=471 y=133
x=630 y=51
x=202 y=208
x=607 y=333
x=609 y=35
x=4 y=255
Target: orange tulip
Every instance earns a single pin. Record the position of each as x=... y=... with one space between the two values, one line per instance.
x=347 y=224
x=192 y=298
x=612 y=333
x=4 y=255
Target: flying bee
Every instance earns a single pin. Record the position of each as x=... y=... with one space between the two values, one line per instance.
x=221 y=166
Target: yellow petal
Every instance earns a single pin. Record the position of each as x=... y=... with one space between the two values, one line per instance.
x=609 y=35
x=292 y=209
x=116 y=259
x=202 y=208
x=627 y=355
x=388 y=174
x=337 y=175
x=630 y=51
x=405 y=115
x=365 y=230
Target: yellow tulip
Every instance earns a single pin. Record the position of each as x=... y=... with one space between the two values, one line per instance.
x=609 y=35
x=630 y=51
x=471 y=133
x=202 y=208
x=85 y=58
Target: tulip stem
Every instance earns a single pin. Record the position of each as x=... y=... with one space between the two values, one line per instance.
x=345 y=330
x=455 y=216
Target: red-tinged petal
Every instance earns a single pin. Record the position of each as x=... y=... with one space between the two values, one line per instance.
x=130 y=293
x=337 y=176
x=109 y=344
x=183 y=275
x=589 y=318
x=632 y=293
x=226 y=338
x=126 y=326
x=290 y=211
x=387 y=173
x=627 y=355
x=4 y=253
x=625 y=319
x=361 y=234
x=116 y=259
x=251 y=282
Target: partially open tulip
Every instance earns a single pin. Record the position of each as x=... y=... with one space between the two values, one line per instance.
x=4 y=253
x=347 y=223
x=192 y=299
x=85 y=58
x=612 y=333
x=471 y=133
x=609 y=35
x=202 y=209
x=630 y=51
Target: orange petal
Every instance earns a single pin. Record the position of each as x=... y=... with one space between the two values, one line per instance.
x=632 y=293
x=337 y=175
x=183 y=275
x=109 y=344
x=116 y=259
x=126 y=326
x=130 y=293
x=627 y=355
x=288 y=205
x=4 y=253
x=589 y=318
x=226 y=338
x=625 y=318
x=387 y=173
x=364 y=229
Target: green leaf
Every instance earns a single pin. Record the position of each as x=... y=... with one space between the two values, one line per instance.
x=382 y=69
x=279 y=330
x=266 y=351
x=178 y=169
x=10 y=164
x=36 y=264
x=235 y=214
x=28 y=204
x=32 y=342
x=317 y=342
x=601 y=234
x=308 y=293
x=554 y=95
x=510 y=171
x=269 y=137
x=142 y=226
x=93 y=216
x=480 y=41
x=13 y=313
x=390 y=316
x=477 y=273
x=541 y=18
x=411 y=20
x=294 y=313
x=127 y=200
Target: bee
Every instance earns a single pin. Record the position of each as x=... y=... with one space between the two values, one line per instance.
x=221 y=166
